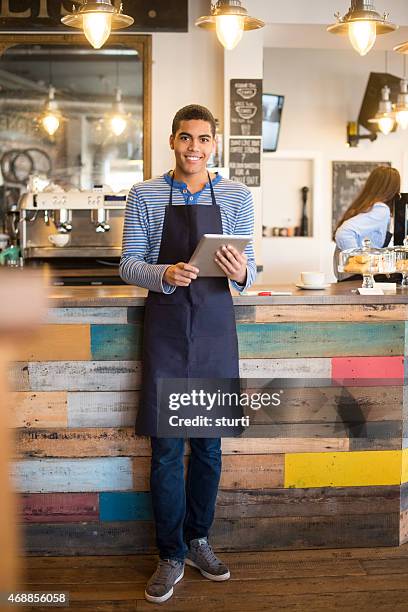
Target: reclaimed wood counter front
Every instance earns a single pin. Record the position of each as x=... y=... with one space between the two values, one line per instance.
x=84 y=475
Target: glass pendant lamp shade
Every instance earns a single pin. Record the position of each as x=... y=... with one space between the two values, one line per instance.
x=385 y=115
x=401 y=107
x=50 y=123
x=362 y=23
x=97 y=18
x=97 y=28
x=230 y=29
x=386 y=125
x=362 y=35
x=118 y=119
x=229 y=19
x=51 y=117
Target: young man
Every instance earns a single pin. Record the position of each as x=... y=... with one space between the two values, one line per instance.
x=189 y=331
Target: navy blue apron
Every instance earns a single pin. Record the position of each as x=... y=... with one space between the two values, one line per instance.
x=190 y=333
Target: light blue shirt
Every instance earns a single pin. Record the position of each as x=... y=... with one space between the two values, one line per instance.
x=372 y=224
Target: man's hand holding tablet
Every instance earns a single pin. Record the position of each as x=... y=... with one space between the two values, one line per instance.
x=221 y=255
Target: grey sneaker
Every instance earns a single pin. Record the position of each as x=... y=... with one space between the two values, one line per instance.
x=201 y=556
x=160 y=586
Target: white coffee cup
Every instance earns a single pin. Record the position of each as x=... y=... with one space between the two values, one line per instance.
x=59 y=240
x=312 y=278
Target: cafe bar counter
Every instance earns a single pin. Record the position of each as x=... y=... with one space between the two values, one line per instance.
x=332 y=472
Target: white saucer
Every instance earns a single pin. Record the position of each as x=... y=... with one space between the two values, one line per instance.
x=316 y=287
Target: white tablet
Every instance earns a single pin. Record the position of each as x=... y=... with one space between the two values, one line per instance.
x=203 y=256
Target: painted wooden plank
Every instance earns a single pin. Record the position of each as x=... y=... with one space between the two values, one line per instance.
x=92 y=442
x=404 y=496
x=403 y=534
x=125 y=506
x=141 y=473
x=252 y=534
x=320 y=339
x=245 y=314
x=40 y=409
x=381 y=368
x=252 y=472
x=354 y=404
x=328 y=501
x=256 y=446
x=126 y=375
x=306 y=532
x=136 y=506
x=357 y=468
x=17 y=376
x=125 y=537
x=386 y=435
x=76 y=475
x=272 y=340
x=404 y=465
x=98 y=315
x=121 y=342
x=59 y=507
x=333 y=312
x=102 y=408
x=56 y=343
x=285 y=368
x=76 y=376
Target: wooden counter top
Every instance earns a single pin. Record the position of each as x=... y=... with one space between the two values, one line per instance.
x=127 y=295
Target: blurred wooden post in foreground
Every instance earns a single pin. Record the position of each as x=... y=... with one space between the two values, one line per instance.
x=22 y=304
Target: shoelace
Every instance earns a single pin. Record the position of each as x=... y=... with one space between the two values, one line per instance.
x=208 y=553
x=163 y=572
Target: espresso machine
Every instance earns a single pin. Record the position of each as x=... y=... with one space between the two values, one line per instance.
x=71 y=224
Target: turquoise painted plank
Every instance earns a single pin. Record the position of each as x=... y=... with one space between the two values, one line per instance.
x=121 y=342
x=272 y=340
x=125 y=506
x=320 y=339
x=73 y=475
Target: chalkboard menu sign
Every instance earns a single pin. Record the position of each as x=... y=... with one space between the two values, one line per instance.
x=245 y=161
x=348 y=180
x=246 y=107
x=45 y=15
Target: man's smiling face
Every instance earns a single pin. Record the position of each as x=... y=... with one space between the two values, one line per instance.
x=192 y=144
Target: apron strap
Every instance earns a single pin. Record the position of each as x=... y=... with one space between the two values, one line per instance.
x=214 y=201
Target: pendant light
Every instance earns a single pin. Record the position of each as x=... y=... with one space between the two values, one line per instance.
x=51 y=117
x=362 y=23
x=118 y=118
x=401 y=107
x=97 y=18
x=384 y=116
x=229 y=19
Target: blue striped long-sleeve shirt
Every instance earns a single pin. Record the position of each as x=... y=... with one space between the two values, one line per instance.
x=144 y=218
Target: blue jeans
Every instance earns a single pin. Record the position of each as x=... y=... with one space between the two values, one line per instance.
x=182 y=510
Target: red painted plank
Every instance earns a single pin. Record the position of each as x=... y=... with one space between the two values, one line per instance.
x=59 y=507
x=379 y=368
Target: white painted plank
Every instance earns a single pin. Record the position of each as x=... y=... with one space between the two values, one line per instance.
x=286 y=368
x=102 y=408
x=87 y=315
x=76 y=376
x=73 y=475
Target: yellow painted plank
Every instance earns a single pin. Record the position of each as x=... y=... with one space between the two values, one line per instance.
x=57 y=343
x=404 y=466
x=353 y=469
